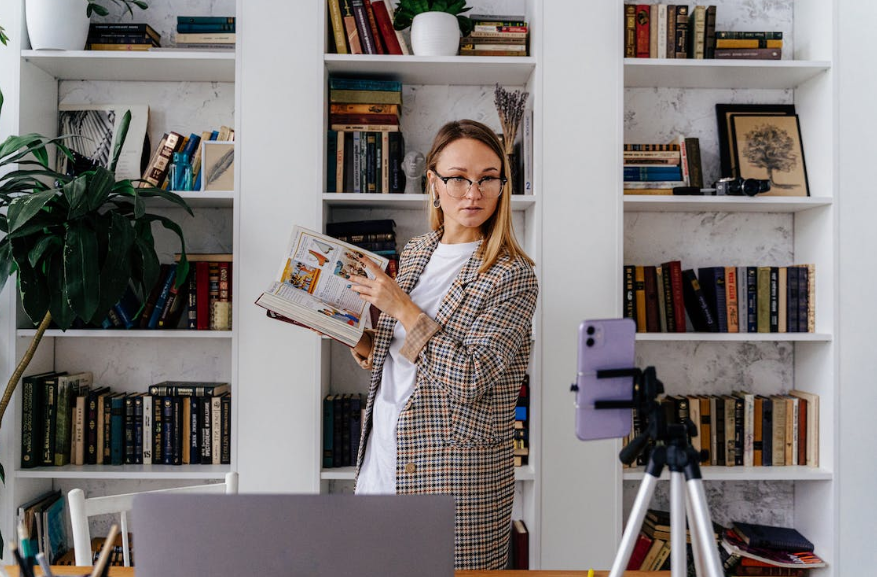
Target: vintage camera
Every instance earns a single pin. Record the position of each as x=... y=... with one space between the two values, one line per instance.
x=742 y=186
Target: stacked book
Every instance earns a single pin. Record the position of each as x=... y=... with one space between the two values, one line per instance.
x=45 y=525
x=659 y=168
x=342 y=417
x=364 y=144
x=753 y=549
x=651 y=552
x=721 y=299
x=206 y=32
x=749 y=45
x=496 y=35
x=157 y=170
x=121 y=36
x=364 y=27
x=745 y=429
x=522 y=424
x=67 y=419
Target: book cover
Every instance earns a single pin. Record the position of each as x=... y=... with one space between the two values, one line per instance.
x=225 y=429
x=373 y=27
x=159 y=164
x=362 y=26
x=627 y=297
x=712 y=283
x=702 y=317
x=337 y=27
x=117 y=430
x=350 y=28
x=520 y=545
x=639 y=291
x=771 y=537
x=733 y=322
x=651 y=295
x=32 y=392
x=312 y=286
x=812 y=425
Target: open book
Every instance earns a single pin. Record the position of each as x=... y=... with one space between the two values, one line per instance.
x=312 y=288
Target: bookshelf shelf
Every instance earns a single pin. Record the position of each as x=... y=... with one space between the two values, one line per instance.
x=459 y=70
x=125 y=472
x=795 y=473
x=347 y=473
x=404 y=201
x=735 y=337
x=199 y=199
x=722 y=204
x=132 y=334
x=180 y=66
x=768 y=74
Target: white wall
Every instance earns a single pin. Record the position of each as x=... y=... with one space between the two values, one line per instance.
x=857 y=469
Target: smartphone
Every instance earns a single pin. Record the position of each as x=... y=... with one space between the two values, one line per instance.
x=604 y=344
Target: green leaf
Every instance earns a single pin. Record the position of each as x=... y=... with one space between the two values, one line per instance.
x=466 y=25
x=24 y=208
x=81 y=273
x=2 y=470
x=100 y=186
x=32 y=285
x=75 y=193
x=145 y=266
x=120 y=140
x=116 y=269
x=59 y=304
x=21 y=145
x=6 y=262
x=44 y=247
x=165 y=194
x=183 y=265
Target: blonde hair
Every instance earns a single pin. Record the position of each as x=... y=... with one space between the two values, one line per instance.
x=498 y=230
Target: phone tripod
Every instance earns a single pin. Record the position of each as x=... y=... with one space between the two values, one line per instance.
x=687 y=498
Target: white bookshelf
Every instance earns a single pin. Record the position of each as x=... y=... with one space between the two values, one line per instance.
x=187 y=92
x=807 y=78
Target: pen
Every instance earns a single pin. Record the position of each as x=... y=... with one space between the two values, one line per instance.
x=24 y=570
x=590 y=573
x=25 y=546
x=44 y=564
x=105 y=551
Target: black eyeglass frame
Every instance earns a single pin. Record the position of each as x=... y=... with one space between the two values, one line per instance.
x=503 y=180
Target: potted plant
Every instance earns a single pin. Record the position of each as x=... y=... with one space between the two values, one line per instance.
x=436 y=25
x=63 y=24
x=76 y=242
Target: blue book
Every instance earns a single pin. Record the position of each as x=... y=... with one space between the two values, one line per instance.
x=634 y=173
x=192 y=146
x=520 y=413
x=205 y=20
x=167 y=430
x=767 y=432
x=195 y=28
x=127 y=308
x=162 y=297
x=117 y=430
x=364 y=84
x=752 y=299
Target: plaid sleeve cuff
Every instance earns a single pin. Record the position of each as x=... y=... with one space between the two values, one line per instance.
x=418 y=336
x=366 y=362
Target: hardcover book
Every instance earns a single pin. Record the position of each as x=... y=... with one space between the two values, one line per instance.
x=769 y=537
x=312 y=287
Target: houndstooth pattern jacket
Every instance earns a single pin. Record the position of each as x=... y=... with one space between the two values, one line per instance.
x=455 y=434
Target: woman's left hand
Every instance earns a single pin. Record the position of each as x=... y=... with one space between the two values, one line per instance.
x=384 y=293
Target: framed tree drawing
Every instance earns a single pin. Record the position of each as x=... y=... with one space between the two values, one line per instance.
x=770 y=148
x=724 y=113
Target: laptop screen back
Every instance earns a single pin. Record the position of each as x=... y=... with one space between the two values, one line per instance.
x=313 y=535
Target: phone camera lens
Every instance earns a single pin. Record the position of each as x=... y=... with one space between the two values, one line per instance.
x=591 y=330
x=590 y=342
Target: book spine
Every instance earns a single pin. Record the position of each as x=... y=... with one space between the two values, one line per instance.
x=206 y=423
x=49 y=409
x=758 y=432
x=147 y=443
x=642 y=30
x=729 y=34
x=198 y=27
x=731 y=312
x=355 y=426
x=767 y=432
x=156 y=172
x=167 y=430
x=79 y=415
x=328 y=431
x=373 y=27
x=157 y=429
x=639 y=289
x=129 y=430
x=782 y=299
x=91 y=446
x=710 y=45
x=350 y=28
x=337 y=27
x=362 y=26
x=721 y=422
x=682 y=31
x=628 y=297
x=138 y=430
x=630 y=31
x=225 y=430
x=105 y=415
x=749 y=53
x=678 y=298
x=62 y=425
x=699 y=311
x=216 y=430
x=774 y=300
x=195 y=416
x=162 y=297
x=385 y=24
x=31 y=403
x=177 y=405
x=671 y=31
x=117 y=431
x=669 y=312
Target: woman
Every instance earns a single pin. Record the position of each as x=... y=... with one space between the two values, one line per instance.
x=451 y=349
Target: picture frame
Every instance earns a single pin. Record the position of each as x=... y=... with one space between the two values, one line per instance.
x=724 y=112
x=770 y=147
x=217 y=165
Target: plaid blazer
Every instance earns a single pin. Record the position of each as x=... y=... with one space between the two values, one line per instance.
x=455 y=434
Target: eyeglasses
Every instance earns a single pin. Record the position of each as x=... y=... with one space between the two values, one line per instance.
x=459 y=186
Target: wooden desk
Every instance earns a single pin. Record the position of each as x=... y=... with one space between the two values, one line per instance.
x=129 y=572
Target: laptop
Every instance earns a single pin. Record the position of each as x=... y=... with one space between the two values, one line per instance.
x=308 y=535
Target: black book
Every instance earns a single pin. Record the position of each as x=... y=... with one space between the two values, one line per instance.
x=195 y=417
x=338 y=433
x=627 y=296
x=803 y=299
x=769 y=537
x=157 y=430
x=50 y=420
x=91 y=410
x=108 y=429
x=206 y=433
x=129 y=430
x=395 y=155
x=702 y=318
x=138 y=430
x=774 y=299
x=767 y=431
x=792 y=299
x=167 y=430
x=32 y=415
x=712 y=283
x=752 y=299
x=720 y=431
x=335 y=229
x=177 y=403
x=225 y=428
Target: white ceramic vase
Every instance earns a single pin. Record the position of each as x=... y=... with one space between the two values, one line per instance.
x=57 y=24
x=435 y=34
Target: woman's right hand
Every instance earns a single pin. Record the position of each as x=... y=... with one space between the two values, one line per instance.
x=364 y=346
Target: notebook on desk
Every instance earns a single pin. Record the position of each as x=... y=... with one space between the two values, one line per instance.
x=313 y=535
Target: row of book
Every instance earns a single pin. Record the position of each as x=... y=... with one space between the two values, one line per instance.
x=122 y=36
x=365 y=162
x=45 y=525
x=677 y=31
x=206 y=32
x=651 y=551
x=342 y=421
x=156 y=173
x=67 y=419
x=721 y=299
x=377 y=236
x=659 y=168
x=522 y=424
x=496 y=35
x=745 y=429
x=203 y=298
x=193 y=32
x=364 y=27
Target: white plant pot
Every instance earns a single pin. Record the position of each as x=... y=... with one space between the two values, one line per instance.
x=57 y=24
x=435 y=34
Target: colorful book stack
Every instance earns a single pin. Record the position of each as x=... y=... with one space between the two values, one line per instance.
x=721 y=299
x=122 y=36
x=206 y=32
x=496 y=35
x=659 y=168
x=209 y=300
x=342 y=420
x=157 y=170
x=365 y=147
x=749 y=45
x=746 y=429
x=364 y=27
x=753 y=549
x=522 y=424
x=651 y=552
x=67 y=419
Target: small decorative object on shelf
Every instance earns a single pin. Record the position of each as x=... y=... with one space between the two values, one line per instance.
x=436 y=25
x=414 y=167
x=180 y=176
x=510 y=106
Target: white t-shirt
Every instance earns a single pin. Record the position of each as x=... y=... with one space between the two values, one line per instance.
x=378 y=471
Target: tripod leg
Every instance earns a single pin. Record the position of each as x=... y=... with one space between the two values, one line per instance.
x=678 y=558
x=696 y=545
x=704 y=526
x=635 y=521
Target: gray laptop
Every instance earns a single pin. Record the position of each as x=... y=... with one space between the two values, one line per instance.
x=280 y=535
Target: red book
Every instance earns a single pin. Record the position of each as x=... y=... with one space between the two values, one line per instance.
x=520 y=545
x=363 y=119
x=202 y=288
x=642 y=30
x=373 y=25
x=643 y=542
x=653 y=322
x=385 y=24
x=675 y=268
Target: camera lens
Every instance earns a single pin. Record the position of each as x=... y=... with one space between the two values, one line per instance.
x=751 y=187
x=590 y=342
x=590 y=330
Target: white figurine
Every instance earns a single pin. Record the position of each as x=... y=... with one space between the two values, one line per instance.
x=414 y=167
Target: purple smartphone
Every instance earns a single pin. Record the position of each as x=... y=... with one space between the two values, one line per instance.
x=604 y=344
